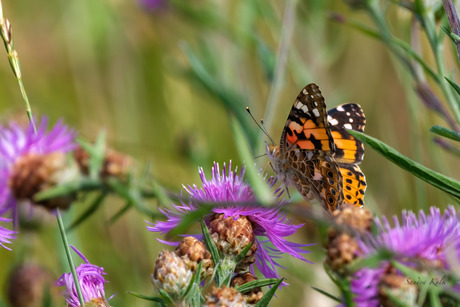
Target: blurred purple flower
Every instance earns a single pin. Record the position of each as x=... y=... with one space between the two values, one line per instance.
x=16 y=141
x=91 y=281
x=422 y=237
x=228 y=188
x=153 y=5
x=5 y=234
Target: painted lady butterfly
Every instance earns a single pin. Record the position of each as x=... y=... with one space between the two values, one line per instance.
x=316 y=153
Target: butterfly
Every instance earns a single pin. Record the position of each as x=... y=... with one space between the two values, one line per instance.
x=316 y=153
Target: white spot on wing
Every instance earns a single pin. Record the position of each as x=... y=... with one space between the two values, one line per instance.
x=350 y=120
x=347 y=126
x=305 y=108
x=333 y=121
x=340 y=108
x=348 y=113
x=316 y=112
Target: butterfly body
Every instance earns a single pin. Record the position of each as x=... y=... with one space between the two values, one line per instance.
x=316 y=155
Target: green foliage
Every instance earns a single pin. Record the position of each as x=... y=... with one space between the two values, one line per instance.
x=436 y=179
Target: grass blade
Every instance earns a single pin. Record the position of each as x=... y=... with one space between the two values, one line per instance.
x=445 y=132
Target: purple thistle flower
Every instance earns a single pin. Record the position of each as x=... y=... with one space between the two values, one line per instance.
x=91 y=281
x=153 y=5
x=16 y=141
x=5 y=234
x=229 y=189
x=422 y=237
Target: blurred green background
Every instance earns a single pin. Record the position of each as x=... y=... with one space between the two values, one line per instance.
x=125 y=67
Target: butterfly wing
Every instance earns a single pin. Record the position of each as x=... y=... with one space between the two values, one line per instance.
x=354 y=184
x=347 y=116
x=318 y=177
x=307 y=127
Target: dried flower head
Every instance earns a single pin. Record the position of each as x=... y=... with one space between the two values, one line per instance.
x=27 y=285
x=16 y=143
x=232 y=236
x=253 y=296
x=115 y=164
x=391 y=285
x=171 y=275
x=342 y=246
x=33 y=173
x=193 y=252
x=91 y=281
x=231 y=194
x=225 y=297
x=341 y=251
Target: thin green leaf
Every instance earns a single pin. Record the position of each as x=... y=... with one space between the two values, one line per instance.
x=191 y=218
x=445 y=132
x=96 y=154
x=395 y=299
x=454 y=85
x=231 y=99
x=209 y=242
x=120 y=213
x=243 y=252
x=132 y=195
x=454 y=37
x=372 y=261
x=148 y=298
x=342 y=283
x=260 y=188
x=68 y=188
x=166 y=297
x=256 y=284
x=327 y=294
x=265 y=300
x=88 y=212
x=193 y=294
x=397 y=42
x=434 y=297
x=440 y=181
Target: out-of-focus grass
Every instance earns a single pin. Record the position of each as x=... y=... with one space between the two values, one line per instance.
x=115 y=65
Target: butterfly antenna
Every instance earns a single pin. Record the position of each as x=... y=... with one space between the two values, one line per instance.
x=259 y=156
x=260 y=126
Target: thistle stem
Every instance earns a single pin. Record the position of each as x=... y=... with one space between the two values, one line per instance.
x=69 y=256
x=6 y=34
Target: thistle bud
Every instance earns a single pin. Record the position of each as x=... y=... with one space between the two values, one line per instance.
x=225 y=297
x=342 y=247
x=395 y=285
x=192 y=252
x=232 y=236
x=115 y=164
x=171 y=274
x=28 y=283
x=253 y=296
x=341 y=251
x=33 y=173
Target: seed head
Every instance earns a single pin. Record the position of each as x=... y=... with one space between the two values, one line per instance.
x=33 y=173
x=192 y=252
x=28 y=283
x=232 y=236
x=225 y=297
x=253 y=296
x=171 y=274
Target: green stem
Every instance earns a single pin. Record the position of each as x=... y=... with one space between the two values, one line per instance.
x=286 y=35
x=375 y=13
x=69 y=256
x=428 y=23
